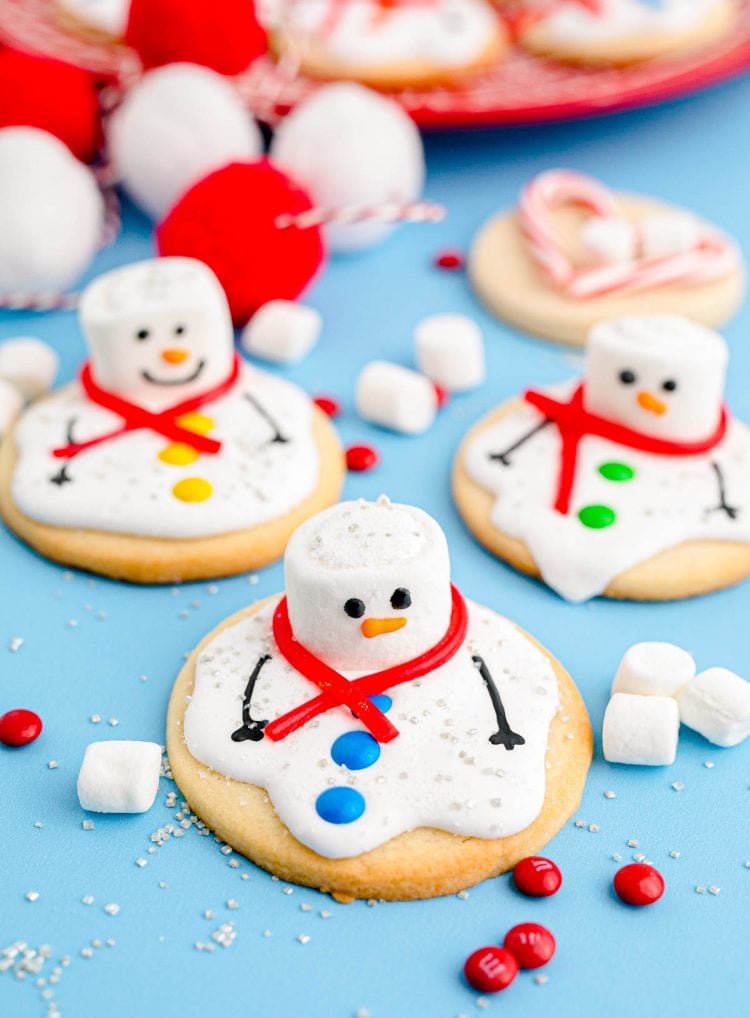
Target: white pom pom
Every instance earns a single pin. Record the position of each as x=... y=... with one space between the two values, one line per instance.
x=51 y=213
x=28 y=364
x=717 y=705
x=176 y=126
x=11 y=404
x=395 y=397
x=450 y=351
x=119 y=777
x=609 y=241
x=641 y=730
x=282 y=331
x=670 y=233
x=654 y=669
x=350 y=146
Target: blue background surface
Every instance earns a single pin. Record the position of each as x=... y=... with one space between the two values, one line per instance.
x=686 y=955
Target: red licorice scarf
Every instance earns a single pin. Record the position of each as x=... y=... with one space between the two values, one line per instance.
x=574 y=423
x=136 y=417
x=340 y=692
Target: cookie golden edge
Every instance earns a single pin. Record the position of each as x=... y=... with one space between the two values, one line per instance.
x=315 y=63
x=511 y=287
x=423 y=863
x=632 y=49
x=689 y=569
x=149 y=560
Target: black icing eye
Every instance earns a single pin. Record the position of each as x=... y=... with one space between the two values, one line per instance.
x=627 y=377
x=400 y=598
x=354 y=608
x=142 y=334
x=670 y=385
x=180 y=330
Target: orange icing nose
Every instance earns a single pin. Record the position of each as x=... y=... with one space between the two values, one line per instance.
x=376 y=627
x=174 y=356
x=651 y=403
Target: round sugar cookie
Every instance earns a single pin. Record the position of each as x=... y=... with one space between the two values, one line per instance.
x=627 y=31
x=511 y=285
x=647 y=514
x=392 y=47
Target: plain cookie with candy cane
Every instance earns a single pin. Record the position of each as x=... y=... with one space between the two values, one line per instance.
x=574 y=253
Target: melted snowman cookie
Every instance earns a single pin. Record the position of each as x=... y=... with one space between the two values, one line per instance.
x=409 y=741
x=173 y=457
x=633 y=483
x=574 y=253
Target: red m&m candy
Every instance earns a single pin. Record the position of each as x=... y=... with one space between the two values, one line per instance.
x=638 y=884
x=530 y=944
x=490 y=969
x=451 y=260
x=537 y=876
x=361 y=458
x=20 y=727
x=330 y=406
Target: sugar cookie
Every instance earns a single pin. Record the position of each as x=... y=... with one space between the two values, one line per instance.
x=170 y=459
x=573 y=253
x=634 y=483
x=387 y=45
x=445 y=746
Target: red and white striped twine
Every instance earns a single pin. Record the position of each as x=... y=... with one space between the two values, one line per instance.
x=385 y=212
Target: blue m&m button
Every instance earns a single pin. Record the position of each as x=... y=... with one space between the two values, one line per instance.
x=381 y=701
x=355 y=750
x=340 y=805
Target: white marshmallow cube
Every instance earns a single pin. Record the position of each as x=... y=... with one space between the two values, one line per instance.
x=641 y=730
x=28 y=364
x=11 y=404
x=669 y=233
x=449 y=350
x=119 y=776
x=654 y=669
x=282 y=331
x=716 y=704
x=395 y=397
x=609 y=241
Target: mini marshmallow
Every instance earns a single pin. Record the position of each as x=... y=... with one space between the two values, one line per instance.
x=395 y=397
x=282 y=331
x=119 y=777
x=28 y=364
x=450 y=351
x=669 y=233
x=51 y=213
x=11 y=404
x=653 y=669
x=641 y=730
x=716 y=703
x=177 y=125
x=609 y=241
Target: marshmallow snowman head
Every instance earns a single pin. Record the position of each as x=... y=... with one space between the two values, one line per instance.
x=368 y=584
x=159 y=331
x=661 y=375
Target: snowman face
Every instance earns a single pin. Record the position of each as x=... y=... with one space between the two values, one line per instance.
x=662 y=376
x=159 y=331
x=368 y=584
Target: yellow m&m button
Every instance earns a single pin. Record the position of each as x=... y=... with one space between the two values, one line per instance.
x=192 y=489
x=177 y=454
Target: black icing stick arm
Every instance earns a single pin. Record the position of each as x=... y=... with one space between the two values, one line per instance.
x=278 y=435
x=504 y=456
x=62 y=476
x=251 y=728
x=504 y=736
x=723 y=506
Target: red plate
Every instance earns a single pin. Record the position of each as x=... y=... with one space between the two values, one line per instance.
x=523 y=89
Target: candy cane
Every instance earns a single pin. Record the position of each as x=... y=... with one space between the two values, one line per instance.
x=714 y=257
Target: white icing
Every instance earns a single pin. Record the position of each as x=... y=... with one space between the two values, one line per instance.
x=110 y=16
x=122 y=486
x=671 y=499
x=574 y=22
x=448 y=33
x=441 y=771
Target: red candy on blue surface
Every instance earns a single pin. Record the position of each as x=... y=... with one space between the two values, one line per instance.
x=361 y=458
x=330 y=406
x=638 y=884
x=530 y=944
x=536 y=876
x=490 y=969
x=20 y=727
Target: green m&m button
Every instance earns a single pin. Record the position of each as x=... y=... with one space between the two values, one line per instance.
x=597 y=516
x=617 y=471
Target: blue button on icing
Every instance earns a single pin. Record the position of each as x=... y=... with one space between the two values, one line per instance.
x=382 y=702
x=340 y=805
x=355 y=750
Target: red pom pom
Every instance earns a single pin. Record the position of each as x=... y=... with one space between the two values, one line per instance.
x=222 y=34
x=39 y=92
x=228 y=221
